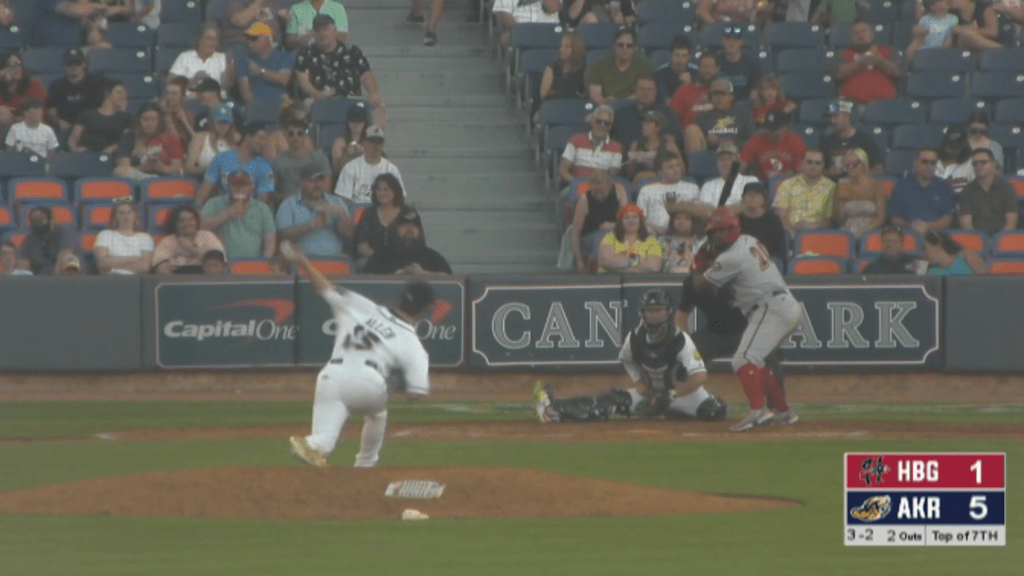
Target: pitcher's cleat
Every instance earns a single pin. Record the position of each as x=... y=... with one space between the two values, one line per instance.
x=303 y=451
x=753 y=419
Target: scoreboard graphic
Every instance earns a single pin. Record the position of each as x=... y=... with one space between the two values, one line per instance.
x=924 y=499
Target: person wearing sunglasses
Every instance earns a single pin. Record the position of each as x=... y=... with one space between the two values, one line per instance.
x=736 y=66
x=264 y=72
x=16 y=84
x=860 y=203
x=955 y=158
x=614 y=77
x=75 y=92
x=921 y=201
x=586 y=152
x=288 y=163
x=977 y=135
x=989 y=202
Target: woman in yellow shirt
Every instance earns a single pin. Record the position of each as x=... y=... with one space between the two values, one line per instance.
x=628 y=248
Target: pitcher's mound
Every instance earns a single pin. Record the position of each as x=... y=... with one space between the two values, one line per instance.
x=295 y=493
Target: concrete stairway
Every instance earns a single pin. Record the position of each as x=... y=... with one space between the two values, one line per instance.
x=460 y=145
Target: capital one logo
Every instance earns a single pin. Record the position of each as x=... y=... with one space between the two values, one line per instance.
x=427 y=328
x=255 y=328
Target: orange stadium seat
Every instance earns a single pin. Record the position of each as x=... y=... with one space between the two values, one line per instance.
x=88 y=241
x=888 y=182
x=817 y=265
x=1018 y=186
x=158 y=189
x=249 y=267
x=837 y=243
x=17 y=237
x=6 y=218
x=96 y=216
x=1006 y=266
x=1008 y=243
x=36 y=190
x=97 y=189
x=358 y=210
x=332 y=266
x=871 y=243
x=969 y=239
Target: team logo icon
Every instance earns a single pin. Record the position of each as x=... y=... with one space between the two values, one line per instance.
x=873 y=509
x=872 y=470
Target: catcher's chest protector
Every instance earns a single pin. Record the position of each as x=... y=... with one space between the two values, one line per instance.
x=659 y=362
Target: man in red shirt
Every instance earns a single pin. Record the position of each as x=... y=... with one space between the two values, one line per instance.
x=692 y=99
x=775 y=151
x=866 y=72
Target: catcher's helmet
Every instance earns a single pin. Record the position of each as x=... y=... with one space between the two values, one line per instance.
x=652 y=301
x=724 y=219
x=416 y=296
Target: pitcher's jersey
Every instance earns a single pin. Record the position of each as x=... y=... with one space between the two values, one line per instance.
x=368 y=332
x=748 y=270
x=662 y=365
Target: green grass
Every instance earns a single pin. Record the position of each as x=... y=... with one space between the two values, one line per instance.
x=800 y=541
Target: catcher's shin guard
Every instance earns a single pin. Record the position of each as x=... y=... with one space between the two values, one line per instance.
x=614 y=402
x=578 y=408
x=712 y=409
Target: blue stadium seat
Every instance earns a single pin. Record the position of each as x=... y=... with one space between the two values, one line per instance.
x=674 y=12
x=660 y=58
x=139 y=86
x=129 y=35
x=839 y=35
x=177 y=34
x=805 y=85
x=804 y=60
x=74 y=165
x=554 y=143
x=703 y=165
x=943 y=60
x=1011 y=136
x=783 y=35
x=813 y=111
x=997 y=84
x=558 y=112
x=936 y=85
x=880 y=134
x=595 y=54
x=41 y=60
x=185 y=11
x=895 y=111
x=659 y=35
x=902 y=34
x=899 y=162
x=711 y=35
x=765 y=61
x=1010 y=110
x=165 y=58
x=882 y=12
x=332 y=110
x=809 y=133
x=267 y=111
x=1002 y=59
x=11 y=39
x=955 y=110
x=21 y=165
x=531 y=35
x=122 y=60
x=327 y=134
x=916 y=136
x=600 y=35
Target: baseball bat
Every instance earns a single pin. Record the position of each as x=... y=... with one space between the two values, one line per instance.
x=730 y=179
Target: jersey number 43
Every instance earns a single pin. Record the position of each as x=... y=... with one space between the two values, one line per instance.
x=361 y=339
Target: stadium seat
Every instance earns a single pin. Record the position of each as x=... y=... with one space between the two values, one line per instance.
x=674 y=12
x=1018 y=185
x=1011 y=136
x=52 y=190
x=936 y=85
x=332 y=266
x=955 y=110
x=129 y=35
x=902 y=35
x=809 y=133
x=997 y=84
x=595 y=54
x=882 y=11
x=531 y=69
x=825 y=242
x=783 y=35
x=660 y=58
x=895 y=111
x=139 y=86
x=659 y=35
x=888 y=182
x=332 y=110
x=1010 y=110
x=817 y=265
x=96 y=216
x=63 y=214
x=1008 y=59
x=87 y=241
x=22 y=165
x=805 y=85
x=177 y=34
x=814 y=111
x=74 y=165
x=599 y=35
x=899 y=162
x=7 y=222
x=103 y=189
x=943 y=60
x=917 y=136
x=186 y=11
x=565 y=111
x=122 y=60
x=165 y=58
x=858 y=265
x=156 y=216
x=249 y=267
x=970 y=239
x=11 y=39
x=1008 y=243
x=1006 y=266
x=327 y=134
x=164 y=189
x=804 y=60
x=871 y=243
x=268 y=111
x=711 y=35
x=532 y=35
x=16 y=236
x=839 y=35
x=554 y=142
x=703 y=165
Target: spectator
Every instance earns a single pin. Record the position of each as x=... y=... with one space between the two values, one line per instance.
x=1012 y=12
x=377 y=228
x=208 y=94
x=769 y=97
x=241 y=15
x=594 y=150
x=678 y=71
x=947 y=258
x=735 y=66
x=100 y=130
x=629 y=118
x=69 y=265
x=60 y=23
x=263 y=71
x=845 y=137
x=576 y=12
x=244 y=225
x=9 y=260
x=45 y=242
x=988 y=203
x=205 y=61
x=980 y=27
x=220 y=136
x=893 y=259
x=691 y=100
x=178 y=118
x=31 y=135
x=289 y=162
x=684 y=236
x=955 y=158
x=804 y=202
x=860 y=202
x=302 y=22
x=185 y=243
x=564 y=78
x=977 y=129
x=318 y=222
x=655 y=198
x=75 y=92
x=278 y=140
x=416 y=17
x=724 y=123
x=410 y=254
x=508 y=13
x=248 y=157
x=349 y=146
x=215 y=263
x=629 y=247
x=832 y=12
x=711 y=11
x=921 y=201
x=934 y=30
x=123 y=248
x=614 y=77
x=711 y=190
x=775 y=151
x=866 y=72
x=758 y=221
x=151 y=150
x=652 y=141
x=328 y=69
x=357 y=176
x=16 y=84
x=594 y=216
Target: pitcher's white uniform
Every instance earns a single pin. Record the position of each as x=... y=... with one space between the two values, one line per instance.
x=373 y=348
x=760 y=293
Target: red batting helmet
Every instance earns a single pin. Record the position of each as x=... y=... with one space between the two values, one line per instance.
x=724 y=219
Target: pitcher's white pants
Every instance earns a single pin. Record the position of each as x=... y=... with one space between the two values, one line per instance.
x=341 y=389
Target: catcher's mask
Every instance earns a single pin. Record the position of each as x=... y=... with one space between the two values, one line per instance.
x=724 y=219
x=656 y=313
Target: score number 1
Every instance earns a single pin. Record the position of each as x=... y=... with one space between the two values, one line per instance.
x=976 y=468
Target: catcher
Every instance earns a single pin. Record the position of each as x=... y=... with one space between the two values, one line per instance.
x=656 y=353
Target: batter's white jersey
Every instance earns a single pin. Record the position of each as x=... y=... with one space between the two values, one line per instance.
x=748 y=269
x=369 y=333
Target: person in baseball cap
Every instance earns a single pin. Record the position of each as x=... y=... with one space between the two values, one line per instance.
x=74 y=57
x=720 y=86
x=239 y=177
x=311 y=171
x=259 y=29
x=839 y=107
x=70 y=265
x=657 y=117
x=727 y=148
x=775 y=151
x=375 y=133
x=777 y=119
